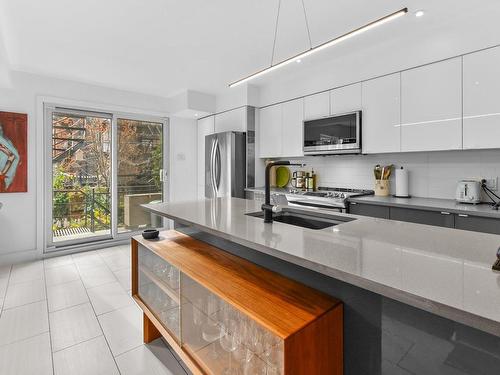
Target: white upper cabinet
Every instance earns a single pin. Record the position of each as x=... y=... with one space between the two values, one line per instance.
x=317 y=105
x=381 y=116
x=482 y=99
x=292 y=128
x=431 y=111
x=233 y=120
x=205 y=127
x=270 y=131
x=345 y=99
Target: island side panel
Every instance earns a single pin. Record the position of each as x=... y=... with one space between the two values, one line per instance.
x=318 y=348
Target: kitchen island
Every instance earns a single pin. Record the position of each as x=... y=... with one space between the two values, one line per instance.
x=417 y=298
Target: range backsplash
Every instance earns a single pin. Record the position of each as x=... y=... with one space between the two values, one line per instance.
x=431 y=174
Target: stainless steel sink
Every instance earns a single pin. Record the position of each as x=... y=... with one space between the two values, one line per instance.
x=304 y=219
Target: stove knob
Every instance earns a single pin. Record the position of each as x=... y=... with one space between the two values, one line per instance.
x=342 y=195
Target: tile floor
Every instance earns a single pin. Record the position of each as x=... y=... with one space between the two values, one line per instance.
x=74 y=315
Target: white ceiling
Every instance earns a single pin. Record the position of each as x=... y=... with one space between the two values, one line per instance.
x=164 y=46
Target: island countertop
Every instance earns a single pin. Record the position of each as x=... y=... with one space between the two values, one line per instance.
x=444 y=271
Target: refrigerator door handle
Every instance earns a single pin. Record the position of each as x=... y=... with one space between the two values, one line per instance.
x=217 y=166
x=212 y=167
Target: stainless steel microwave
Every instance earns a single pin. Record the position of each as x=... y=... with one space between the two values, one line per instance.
x=338 y=134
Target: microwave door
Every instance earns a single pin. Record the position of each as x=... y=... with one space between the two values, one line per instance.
x=333 y=135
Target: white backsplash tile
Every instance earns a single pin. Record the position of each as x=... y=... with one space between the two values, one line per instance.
x=432 y=174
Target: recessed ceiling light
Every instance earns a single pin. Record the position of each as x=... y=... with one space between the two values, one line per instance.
x=195 y=115
x=298 y=61
x=419 y=13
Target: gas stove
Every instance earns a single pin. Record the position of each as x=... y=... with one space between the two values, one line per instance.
x=325 y=197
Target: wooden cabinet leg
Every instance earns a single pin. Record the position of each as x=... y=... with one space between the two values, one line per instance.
x=150 y=332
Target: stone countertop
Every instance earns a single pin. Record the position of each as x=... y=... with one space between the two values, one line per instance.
x=431 y=204
x=444 y=271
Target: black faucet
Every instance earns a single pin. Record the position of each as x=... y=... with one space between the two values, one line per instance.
x=267 y=207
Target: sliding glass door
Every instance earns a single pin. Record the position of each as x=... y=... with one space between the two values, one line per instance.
x=100 y=168
x=140 y=172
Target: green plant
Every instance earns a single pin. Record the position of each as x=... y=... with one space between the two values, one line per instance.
x=156 y=165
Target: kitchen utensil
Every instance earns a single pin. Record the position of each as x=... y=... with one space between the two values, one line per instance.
x=376 y=172
x=282 y=176
x=382 y=173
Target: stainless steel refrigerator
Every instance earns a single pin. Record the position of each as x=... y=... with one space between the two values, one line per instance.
x=225 y=165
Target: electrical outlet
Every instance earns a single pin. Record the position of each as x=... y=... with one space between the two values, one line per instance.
x=492 y=183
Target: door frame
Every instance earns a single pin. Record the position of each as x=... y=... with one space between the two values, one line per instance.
x=45 y=105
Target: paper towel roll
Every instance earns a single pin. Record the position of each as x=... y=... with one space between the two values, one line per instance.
x=402 y=182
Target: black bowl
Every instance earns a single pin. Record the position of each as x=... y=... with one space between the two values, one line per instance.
x=150 y=234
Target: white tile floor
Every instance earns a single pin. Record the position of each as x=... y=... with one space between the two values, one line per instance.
x=74 y=315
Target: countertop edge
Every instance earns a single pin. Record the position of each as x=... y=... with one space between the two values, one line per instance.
x=445 y=311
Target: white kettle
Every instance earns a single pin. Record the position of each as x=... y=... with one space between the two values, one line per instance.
x=468 y=191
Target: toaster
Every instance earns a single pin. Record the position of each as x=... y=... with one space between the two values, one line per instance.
x=468 y=191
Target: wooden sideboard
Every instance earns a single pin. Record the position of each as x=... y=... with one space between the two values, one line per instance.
x=225 y=315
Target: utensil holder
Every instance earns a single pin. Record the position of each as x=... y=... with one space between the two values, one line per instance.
x=382 y=188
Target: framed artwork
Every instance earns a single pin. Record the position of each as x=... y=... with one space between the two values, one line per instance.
x=13 y=152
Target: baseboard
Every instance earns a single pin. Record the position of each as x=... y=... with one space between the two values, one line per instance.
x=20 y=257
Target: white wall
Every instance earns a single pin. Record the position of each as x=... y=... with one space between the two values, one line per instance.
x=432 y=174
x=183 y=159
x=19 y=238
x=239 y=96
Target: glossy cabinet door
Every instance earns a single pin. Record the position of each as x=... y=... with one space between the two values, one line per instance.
x=481 y=99
x=381 y=116
x=431 y=111
x=317 y=106
x=293 y=128
x=205 y=127
x=233 y=120
x=435 y=218
x=345 y=99
x=477 y=224
x=270 y=127
x=371 y=210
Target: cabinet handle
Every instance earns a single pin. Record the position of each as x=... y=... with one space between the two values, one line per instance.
x=445 y=213
x=463 y=215
x=353 y=203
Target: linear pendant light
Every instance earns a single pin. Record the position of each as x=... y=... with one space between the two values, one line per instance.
x=323 y=46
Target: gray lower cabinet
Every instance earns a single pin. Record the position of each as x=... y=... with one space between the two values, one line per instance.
x=477 y=224
x=436 y=218
x=371 y=210
x=440 y=219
